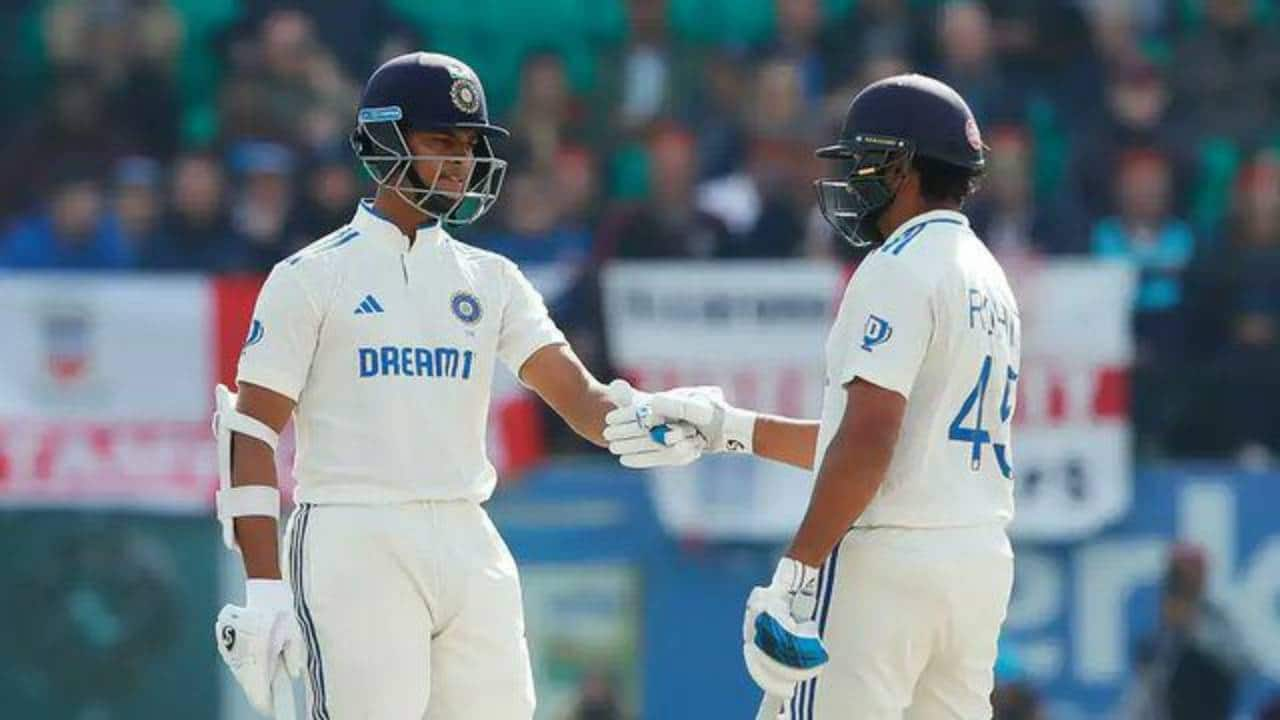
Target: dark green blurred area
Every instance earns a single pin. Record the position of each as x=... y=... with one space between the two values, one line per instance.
x=108 y=616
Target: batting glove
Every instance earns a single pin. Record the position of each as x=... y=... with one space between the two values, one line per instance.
x=780 y=640
x=725 y=427
x=641 y=439
x=254 y=641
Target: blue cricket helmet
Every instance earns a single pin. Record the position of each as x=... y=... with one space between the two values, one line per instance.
x=888 y=124
x=432 y=92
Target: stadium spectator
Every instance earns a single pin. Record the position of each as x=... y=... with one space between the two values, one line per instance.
x=1138 y=112
x=1047 y=48
x=668 y=224
x=718 y=118
x=1005 y=213
x=136 y=199
x=263 y=203
x=1158 y=244
x=967 y=62
x=533 y=230
x=196 y=233
x=1229 y=72
x=546 y=114
x=1234 y=305
x=73 y=126
x=75 y=232
x=284 y=84
x=577 y=180
x=880 y=28
x=646 y=75
x=765 y=206
x=777 y=100
x=330 y=193
x=1191 y=665
x=803 y=39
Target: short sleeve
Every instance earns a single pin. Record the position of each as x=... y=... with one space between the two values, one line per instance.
x=526 y=326
x=281 y=341
x=891 y=322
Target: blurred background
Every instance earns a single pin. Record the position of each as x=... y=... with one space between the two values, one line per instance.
x=158 y=156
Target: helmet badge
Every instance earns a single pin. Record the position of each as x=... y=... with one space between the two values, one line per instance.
x=972 y=134
x=465 y=95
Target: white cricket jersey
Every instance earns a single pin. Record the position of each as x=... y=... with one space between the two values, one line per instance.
x=389 y=352
x=929 y=315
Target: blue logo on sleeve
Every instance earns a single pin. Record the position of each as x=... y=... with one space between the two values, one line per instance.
x=255 y=334
x=877 y=332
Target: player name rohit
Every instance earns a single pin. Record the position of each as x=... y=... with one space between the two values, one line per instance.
x=441 y=362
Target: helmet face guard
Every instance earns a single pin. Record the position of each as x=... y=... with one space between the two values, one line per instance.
x=380 y=143
x=853 y=202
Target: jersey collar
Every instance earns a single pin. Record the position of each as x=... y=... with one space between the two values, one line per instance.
x=950 y=216
x=373 y=224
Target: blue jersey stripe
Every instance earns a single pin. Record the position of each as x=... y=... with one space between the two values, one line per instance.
x=895 y=247
x=346 y=236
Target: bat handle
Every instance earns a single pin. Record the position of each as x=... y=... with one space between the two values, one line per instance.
x=282 y=696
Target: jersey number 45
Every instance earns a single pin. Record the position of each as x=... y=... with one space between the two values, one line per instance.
x=976 y=435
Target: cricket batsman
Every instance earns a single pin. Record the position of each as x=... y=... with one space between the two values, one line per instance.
x=394 y=591
x=898 y=579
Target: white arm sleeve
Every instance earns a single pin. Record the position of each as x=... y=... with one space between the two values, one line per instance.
x=526 y=326
x=282 y=335
x=892 y=320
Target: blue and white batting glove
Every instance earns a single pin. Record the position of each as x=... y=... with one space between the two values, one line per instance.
x=780 y=640
x=260 y=639
x=642 y=439
x=725 y=427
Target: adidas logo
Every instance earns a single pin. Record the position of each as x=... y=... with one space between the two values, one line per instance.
x=368 y=305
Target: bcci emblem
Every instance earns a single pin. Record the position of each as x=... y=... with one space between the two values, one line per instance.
x=877 y=332
x=465 y=95
x=466 y=307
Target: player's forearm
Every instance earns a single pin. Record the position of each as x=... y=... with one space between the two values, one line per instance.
x=851 y=473
x=586 y=415
x=560 y=379
x=787 y=440
x=254 y=464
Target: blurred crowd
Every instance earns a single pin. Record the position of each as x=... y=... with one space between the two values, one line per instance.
x=210 y=135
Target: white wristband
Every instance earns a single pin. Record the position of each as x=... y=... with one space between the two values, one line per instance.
x=739 y=430
x=264 y=594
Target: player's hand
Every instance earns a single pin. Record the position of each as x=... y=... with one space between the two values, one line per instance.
x=780 y=640
x=254 y=640
x=726 y=428
x=640 y=439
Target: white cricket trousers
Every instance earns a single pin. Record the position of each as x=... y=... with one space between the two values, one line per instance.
x=910 y=618
x=409 y=612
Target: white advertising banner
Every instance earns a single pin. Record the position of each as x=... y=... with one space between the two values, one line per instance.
x=1072 y=442
x=105 y=394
